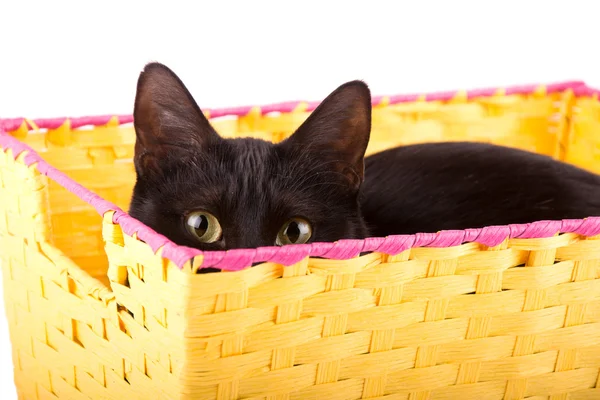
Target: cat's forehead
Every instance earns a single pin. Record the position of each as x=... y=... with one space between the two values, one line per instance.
x=250 y=154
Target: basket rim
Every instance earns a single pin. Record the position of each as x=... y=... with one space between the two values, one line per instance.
x=238 y=259
x=580 y=88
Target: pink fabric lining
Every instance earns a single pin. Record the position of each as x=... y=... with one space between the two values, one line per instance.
x=238 y=259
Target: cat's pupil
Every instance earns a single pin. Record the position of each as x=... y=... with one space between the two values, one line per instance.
x=293 y=232
x=201 y=225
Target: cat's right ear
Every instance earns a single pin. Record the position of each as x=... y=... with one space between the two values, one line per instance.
x=168 y=122
x=338 y=131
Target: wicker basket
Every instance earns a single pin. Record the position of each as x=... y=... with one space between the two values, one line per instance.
x=101 y=307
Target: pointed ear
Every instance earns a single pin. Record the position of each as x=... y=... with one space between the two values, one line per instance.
x=338 y=130
x=168 y=122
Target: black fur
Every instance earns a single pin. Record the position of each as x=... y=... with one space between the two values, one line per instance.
x=253 y=187
x=439 y=186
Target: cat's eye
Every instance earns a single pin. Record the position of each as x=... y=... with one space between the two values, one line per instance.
x=295 y=231
x=204 y=226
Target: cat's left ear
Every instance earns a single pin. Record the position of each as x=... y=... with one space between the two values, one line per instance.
x=169 y=125
x=338 y=130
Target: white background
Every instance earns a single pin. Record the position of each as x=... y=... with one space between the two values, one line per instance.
x=62 y=58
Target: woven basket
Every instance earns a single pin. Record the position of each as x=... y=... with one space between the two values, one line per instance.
x=101 y=307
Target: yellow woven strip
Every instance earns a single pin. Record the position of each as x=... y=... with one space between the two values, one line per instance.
x=232 y=345
x=562 y=125
x=383 y=340
x=582 y=141
x=283 y=357
x=535 y=299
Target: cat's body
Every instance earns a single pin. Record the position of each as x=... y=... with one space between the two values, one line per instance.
x=203 y=191
x=443 y=186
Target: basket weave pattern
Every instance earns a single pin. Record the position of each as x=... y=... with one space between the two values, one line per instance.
x=100 y=306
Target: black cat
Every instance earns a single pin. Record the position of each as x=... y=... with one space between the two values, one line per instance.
x=203 y=191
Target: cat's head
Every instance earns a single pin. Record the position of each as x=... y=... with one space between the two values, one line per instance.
x=211 y=193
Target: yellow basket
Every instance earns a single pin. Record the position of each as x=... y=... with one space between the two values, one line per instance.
x=101 y=307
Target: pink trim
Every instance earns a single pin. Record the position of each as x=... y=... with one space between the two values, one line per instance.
x=586 y=91
x=238 y=259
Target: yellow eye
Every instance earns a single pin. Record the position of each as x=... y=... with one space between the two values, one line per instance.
x=295 y=231
x=204 y=226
